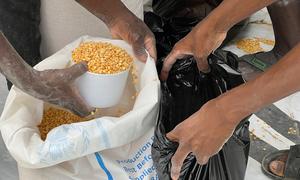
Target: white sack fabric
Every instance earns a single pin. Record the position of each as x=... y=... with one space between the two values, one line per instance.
x=117 y=138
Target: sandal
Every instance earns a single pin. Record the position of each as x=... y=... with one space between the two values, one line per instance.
x=292 y=165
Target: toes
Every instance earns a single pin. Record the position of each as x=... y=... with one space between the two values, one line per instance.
x=277 y=167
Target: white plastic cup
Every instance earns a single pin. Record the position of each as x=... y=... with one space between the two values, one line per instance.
x=102 y=90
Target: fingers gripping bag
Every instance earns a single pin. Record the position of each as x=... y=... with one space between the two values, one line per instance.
x=185 y=91
x=114 y=144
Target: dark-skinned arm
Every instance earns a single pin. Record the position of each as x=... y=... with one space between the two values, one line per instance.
x=123 y=24
x=53 y=86
x=209 y=34
x=211 y=126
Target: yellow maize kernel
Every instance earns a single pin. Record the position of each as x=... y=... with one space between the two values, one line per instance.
x=249 y=45
x=54 y=117
x=102 y=58
x=266 y=41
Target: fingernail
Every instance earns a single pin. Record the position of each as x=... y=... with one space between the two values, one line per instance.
x=175 y=173
x=141 y=55
x=145 y=58
x=142 y=59
x=174 y=176
x=203 y=161
x=207 y=70
x=82 y=65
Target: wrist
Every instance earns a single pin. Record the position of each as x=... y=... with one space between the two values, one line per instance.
x=121 y=19
x=217 y=20
x=222 y=109
x=107 y=10
x=233 y=107
x=118 y=12
x=240 y=102
x=113 y=18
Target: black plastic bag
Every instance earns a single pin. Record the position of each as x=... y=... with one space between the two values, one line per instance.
x=184 y=8
x=178 y=17
x=185 y=91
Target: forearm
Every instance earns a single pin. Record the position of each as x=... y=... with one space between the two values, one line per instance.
x=11 y=64
x=279 y=81
x=230 y=12
x=106 y=10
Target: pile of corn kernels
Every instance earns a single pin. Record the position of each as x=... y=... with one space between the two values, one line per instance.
x=54 y=117
x=102 y=58
x=253 y=45
x=249 y=45
x=266 y=41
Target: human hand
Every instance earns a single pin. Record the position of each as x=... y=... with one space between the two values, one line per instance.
x=200 y=42
x=203 y=134
x=210 y=32
x=123 y=24
x=56 y=86
x=136 y=33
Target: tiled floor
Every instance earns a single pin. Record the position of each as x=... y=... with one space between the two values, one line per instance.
x=8 y=167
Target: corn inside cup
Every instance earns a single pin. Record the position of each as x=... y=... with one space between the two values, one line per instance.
x=103 y=85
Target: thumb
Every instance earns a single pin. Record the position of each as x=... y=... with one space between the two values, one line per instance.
x=180 y=50
x=169 y=62
x=150 y=45
x=75 y=103
x=172 y=136
x=139 y=51
x=175 y=133
x=177 y=161
x=73 y=72
x=202 y=63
